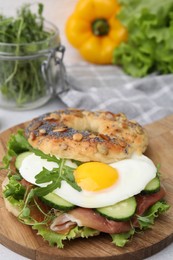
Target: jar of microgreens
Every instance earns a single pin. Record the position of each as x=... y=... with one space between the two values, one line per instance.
x=30 y=72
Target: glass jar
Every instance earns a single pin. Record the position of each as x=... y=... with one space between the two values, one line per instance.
x=31 y=73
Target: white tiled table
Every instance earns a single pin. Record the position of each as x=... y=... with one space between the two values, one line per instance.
x=57 y=12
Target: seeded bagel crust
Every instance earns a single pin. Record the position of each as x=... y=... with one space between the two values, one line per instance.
x=87 y=136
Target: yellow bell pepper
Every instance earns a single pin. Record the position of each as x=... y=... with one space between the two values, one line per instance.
x=94 y=29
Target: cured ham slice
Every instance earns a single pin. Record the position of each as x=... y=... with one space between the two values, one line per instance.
x=89 y=218
x=145 y=201
x=62 y=224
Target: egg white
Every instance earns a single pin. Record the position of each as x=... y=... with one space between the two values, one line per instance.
x=134 y=174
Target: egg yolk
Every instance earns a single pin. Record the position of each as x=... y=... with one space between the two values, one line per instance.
x=95 y=176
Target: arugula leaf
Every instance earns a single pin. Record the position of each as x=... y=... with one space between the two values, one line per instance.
x=48 y=157
x=121 y=239
x=69 y=177
x=24 y=214
x=40 y=192
x=55 y=176
x=18 y=144
x=147 y=220
x=46 y=176
x=25 y=30
x=150 y=31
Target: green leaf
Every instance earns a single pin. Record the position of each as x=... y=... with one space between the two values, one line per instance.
x=69 y=177
x=46 y=175
x=42 y=191
x=48 y=157
x=54 y=177
x=16 y=145
x=40 y=10
x=18 y=204
x=25 y=212
x=14 y=188
x=25 y=30
x=150 y=30
x=121 y=239
x=18 y=142
x=57 y=239
x=147 y=220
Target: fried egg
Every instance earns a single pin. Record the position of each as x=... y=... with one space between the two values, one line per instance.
x=102 y=184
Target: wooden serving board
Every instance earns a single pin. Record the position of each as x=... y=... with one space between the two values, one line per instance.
x=23 y=240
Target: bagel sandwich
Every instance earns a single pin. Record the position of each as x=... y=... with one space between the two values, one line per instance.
x=76 y=173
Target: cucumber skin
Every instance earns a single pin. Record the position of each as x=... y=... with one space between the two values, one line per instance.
x=147 y=192
x=20 y=158
x=123 y=219
x=114 y=219
x=151 y=191
x=56 y=206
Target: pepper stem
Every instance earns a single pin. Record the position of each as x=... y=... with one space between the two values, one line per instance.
x=100 y=27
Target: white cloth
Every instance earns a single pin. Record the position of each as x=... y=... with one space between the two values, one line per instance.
x=107 y=88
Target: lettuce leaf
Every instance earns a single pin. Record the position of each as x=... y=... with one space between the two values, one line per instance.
x=150 y=32
x=57 y=239
x=147 y=220
x=18 y=204
x=14 y=188
x=120 y=240
x=14 y=193
x=16 y=145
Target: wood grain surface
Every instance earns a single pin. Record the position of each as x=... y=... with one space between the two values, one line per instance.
x=23 y=240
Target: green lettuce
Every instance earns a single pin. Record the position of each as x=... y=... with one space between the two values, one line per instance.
x=57 y=239
x=14 y=188
x=121 y=239
x=17 y=144
x=18 y=204
x=149 y=46
x=14 y=192
x=147 y=220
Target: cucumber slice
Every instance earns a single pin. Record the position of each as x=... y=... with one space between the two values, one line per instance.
x=121 y=211
x=20 y=158
x=153 y=186
x=54 y=201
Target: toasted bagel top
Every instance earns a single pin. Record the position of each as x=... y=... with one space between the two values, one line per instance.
x=87 y=136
